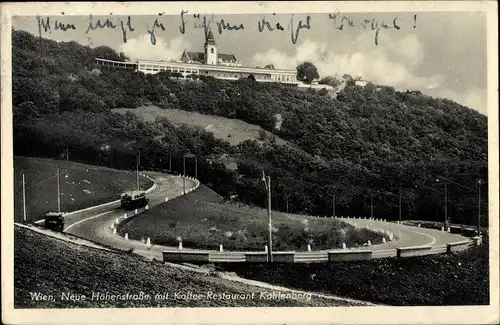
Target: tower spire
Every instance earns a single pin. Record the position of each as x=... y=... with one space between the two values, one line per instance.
x=210 y=39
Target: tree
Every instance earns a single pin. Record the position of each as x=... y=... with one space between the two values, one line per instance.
x=331 y=81
x=307 y=72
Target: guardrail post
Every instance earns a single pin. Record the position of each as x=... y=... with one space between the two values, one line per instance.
x=147 y=206
x=369 y=242
x=135 y=211
x=114 y=231
x=308 y=247
x=148 y=242
x=124 y=216
x=180 y=245
x=126 y=236
x=383 y=240
x=221 y=249
x=166 y=199
x=442 y=228
x=343 y=246
x=265 y=248
x=418 y=225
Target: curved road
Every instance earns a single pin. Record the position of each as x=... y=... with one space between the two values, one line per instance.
x=96 y=225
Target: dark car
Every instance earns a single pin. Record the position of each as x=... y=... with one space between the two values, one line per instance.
x=54 y=221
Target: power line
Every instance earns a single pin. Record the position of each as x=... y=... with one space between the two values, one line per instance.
x=47 y=179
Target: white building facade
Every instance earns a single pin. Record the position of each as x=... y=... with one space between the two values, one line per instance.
x=209 y=63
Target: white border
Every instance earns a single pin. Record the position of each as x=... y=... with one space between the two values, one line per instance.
x=365 y=315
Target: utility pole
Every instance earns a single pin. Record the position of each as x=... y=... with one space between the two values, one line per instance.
x=445 y=206
x=333 y=205
x=400 y=205
x=196 y=167
x=184 y=173
x=58 y=192
x=479 y=210
x=24 y=199
x=267 y=182
x=137 y=168
x=270 y=250
x=371 y=205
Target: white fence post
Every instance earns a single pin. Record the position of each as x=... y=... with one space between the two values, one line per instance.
x=308 y=247
x=221 y=249
x=126 y=236
x=180 y=245
x=344 y=246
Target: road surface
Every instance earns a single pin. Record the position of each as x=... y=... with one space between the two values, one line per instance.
x=96 y=225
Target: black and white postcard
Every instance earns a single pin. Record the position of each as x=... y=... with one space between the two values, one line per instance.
x=250 y=162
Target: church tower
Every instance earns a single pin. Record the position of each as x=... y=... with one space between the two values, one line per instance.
x=210 y=49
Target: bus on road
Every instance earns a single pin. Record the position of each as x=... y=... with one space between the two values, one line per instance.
x=134 y=199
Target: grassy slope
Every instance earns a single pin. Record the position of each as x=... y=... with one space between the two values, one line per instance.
x=104 y=184
x=231 y=130
x=49 y=266
x=203 y=221
x=446 y=279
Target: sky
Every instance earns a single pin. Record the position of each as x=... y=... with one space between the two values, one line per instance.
x=442 y=54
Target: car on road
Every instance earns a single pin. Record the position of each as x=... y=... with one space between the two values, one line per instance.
x=54 y=221
x=134 y=199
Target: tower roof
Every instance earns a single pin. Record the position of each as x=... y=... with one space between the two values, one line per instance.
x=210 y=39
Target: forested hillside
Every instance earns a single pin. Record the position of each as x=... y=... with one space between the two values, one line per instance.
x=363 y=142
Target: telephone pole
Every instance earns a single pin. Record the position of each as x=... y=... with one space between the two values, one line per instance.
x=196 y=167
x=333 y=205
x=446 y=206
x=400 y=194
x=24 y=198
x=267 y=182
x=137 y=168
x=479 y=209
x=184 y=173
x=269 y=217
x=371 y=205
x=58 y=192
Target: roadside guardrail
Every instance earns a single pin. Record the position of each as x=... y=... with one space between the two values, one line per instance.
x=413 y=251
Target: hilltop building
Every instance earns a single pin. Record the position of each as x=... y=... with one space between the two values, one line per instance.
x=208 y=63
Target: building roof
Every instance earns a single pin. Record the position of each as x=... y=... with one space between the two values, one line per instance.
x=200 y=56
x=195 y=56
x=210 y=39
